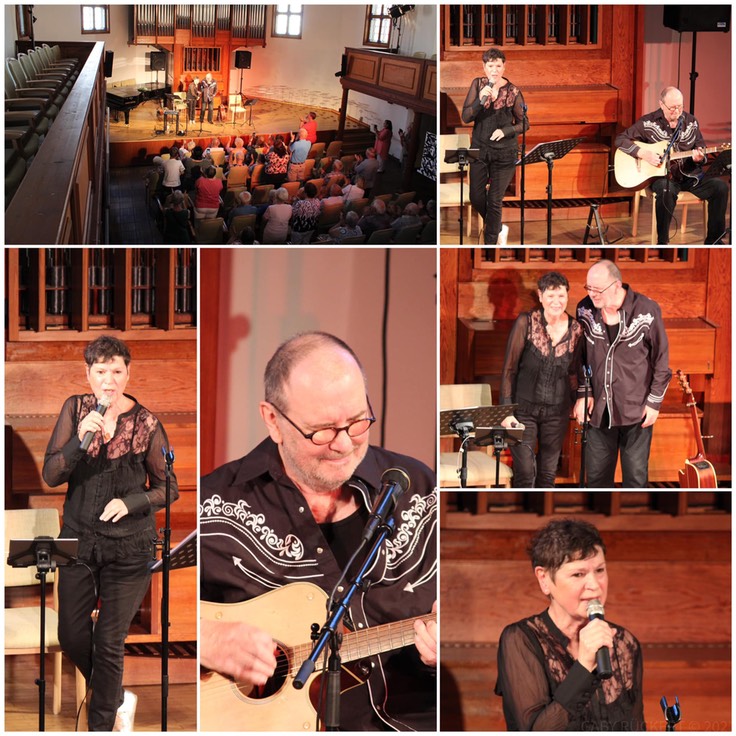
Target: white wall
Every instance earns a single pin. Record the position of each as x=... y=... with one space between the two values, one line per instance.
x=713 y=64
x=268 y=295
x=64 y=23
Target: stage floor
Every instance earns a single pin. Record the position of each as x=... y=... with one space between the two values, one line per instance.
x=269 y=116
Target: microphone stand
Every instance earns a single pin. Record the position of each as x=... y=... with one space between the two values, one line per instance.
x=672 y=713
x=329 y=632
x=666 y=158
x=587 y=374
x=523 y=169
x=165 y=570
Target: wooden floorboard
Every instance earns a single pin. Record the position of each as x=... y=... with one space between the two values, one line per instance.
x=21 y=700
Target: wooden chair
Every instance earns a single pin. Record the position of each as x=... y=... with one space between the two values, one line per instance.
x=380 y=237
x=218 y=156
x=481 y=464
x=408 y=235
x=683 y=198
x=209 y=231
x=237 y=178
x=329 y=216
x=429 y=233
x=334 y=149
x=242 y=221
x=353 y=240
x=319 y=183
x=348 y=163
x=256 y=175
x=260 y=193
x=404 y=199
x=22 y=623
x=385 y=197
x=308 y=166
x=316 y=151
x=234 y=103
x=292 y=187
x=358 y=205
x=449 y=187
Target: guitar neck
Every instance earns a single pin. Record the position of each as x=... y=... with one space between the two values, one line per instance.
x=696 y=427
x=676 y=155
x=365 y=643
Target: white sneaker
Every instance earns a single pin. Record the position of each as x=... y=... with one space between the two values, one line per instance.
x=503 y=235
x=125 y=719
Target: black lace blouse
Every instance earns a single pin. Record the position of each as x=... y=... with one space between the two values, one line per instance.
x=535 y=371
x=545 y=689
x=130 y=467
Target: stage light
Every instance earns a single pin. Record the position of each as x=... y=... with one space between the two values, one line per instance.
x=396 y=11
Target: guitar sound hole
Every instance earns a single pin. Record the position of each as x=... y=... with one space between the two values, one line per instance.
x=274 y=684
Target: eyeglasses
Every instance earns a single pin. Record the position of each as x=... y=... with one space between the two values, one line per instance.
x=328 y=434
x=592 y=290
x=674 y=108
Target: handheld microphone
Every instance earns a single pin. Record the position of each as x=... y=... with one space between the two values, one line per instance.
x=394 y=483
x=102 y=403
x=602 y=656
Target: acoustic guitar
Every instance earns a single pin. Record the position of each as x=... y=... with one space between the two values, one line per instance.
x=698 y=471
x=287 y=614
x=635 y=173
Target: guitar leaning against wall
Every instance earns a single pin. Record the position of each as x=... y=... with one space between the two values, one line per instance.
x=698 y=471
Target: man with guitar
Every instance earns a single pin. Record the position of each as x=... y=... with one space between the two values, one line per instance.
x=286 y=518
x=655 y=130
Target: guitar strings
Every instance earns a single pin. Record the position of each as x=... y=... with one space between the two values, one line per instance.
x=295 y=655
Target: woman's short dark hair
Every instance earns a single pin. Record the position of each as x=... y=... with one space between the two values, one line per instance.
x=564 y=540
x=106 y=348
x=492 y=54
x=552 y=280
x=310 y=190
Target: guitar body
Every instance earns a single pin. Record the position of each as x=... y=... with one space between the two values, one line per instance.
x=287 y=614
x=635 y=173
x=698 y=473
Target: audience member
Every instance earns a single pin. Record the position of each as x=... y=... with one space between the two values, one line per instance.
x=374 y=218
x=247 y=236
x=336 y=175
x=335 y=196
x=277 y=163
x=383 y=143
x=207 y=195
x=347 y=227
x=305 y=214
x=177 y=225
x=173 y=169
x=354 y=191
x=410 y=217
x=299 y=149
x=244 y=207
x=276 y=218
x=309 y=123
x=366 y=168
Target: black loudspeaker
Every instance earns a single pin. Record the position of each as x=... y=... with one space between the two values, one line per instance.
x=108 y=63
x=242 y=59
x=697 y=17
x=158 y=61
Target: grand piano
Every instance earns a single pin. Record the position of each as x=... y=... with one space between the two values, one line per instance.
x=125 y=99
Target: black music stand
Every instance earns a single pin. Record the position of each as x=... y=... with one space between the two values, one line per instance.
x=462 y=157
x=464 y=422
x=672 y=713
x=249 y=104
x=45 y=554
x=548 y=153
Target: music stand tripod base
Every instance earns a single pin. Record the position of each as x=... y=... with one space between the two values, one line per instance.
x=462 y=157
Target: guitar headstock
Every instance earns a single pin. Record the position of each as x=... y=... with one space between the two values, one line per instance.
x=685 y=386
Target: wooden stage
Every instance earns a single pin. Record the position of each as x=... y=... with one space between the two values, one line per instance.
x=138 y=142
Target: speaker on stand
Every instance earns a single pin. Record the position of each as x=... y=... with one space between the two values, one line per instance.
x=696 y=18
x=243 y=58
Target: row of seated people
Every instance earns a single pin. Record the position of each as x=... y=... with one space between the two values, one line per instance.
x=37 y=84
x=303 y=219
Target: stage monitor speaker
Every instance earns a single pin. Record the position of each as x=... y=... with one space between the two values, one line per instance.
x=108 y=63
x=698 y=17
x=242 y=59
x=158 y=61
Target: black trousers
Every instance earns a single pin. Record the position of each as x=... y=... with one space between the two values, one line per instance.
x=98 y=650
x=209 y=106
x=714 y=191
x=544 y=429
x=604 y=445
x=493 y=170
x=191 y=108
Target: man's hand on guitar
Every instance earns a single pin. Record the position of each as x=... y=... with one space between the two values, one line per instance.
x=651 y=157
x=237 y=649
x=425 y=639
x=698 y=155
